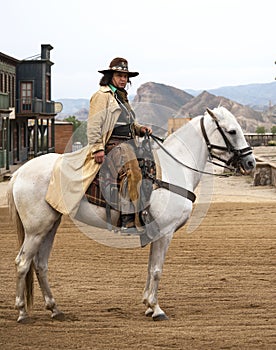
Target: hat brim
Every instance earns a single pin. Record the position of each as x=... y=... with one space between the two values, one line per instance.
x=130 y=74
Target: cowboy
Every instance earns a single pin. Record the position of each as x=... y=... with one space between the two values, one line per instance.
x=111 y=113
x=111 y=122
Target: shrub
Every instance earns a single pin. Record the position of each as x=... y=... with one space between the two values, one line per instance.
x=260 y=130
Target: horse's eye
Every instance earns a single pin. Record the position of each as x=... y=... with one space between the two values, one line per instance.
x=232 y=132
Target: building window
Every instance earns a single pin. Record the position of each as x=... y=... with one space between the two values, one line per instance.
x=13 y=92
x=1 y=82
x=26 y=96
x=10 y=90
x=47 y=88
x=5 y=83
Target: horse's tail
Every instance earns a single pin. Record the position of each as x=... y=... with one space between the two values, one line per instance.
x=29 y=280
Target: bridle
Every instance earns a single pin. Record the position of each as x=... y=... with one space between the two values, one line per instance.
x=234 y=161
x=238 y=154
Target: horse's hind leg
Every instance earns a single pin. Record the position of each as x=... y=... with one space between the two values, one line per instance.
x=22 y=270
x=24 y=281
x=41 y=268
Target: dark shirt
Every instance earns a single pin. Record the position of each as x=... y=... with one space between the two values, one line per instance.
x=126 y=118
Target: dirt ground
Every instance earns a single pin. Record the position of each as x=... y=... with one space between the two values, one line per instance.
x=218 y=284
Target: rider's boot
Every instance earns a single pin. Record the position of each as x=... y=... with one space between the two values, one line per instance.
x=128 y=223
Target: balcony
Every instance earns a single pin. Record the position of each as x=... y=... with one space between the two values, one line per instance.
x=50 y=107
x=28 y=106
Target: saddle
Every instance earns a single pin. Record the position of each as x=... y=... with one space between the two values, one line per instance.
x=109 y=187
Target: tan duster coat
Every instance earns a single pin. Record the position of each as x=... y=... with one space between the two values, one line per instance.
x=74 y=172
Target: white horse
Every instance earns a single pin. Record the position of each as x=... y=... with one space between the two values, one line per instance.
x=216 y=134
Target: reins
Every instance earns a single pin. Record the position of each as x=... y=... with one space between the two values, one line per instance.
x=158 y=141
x=163 y=184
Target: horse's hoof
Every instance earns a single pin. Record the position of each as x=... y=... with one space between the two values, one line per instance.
x=24 y=320
x=160 y=317
x=58 y=316
x=149 y=312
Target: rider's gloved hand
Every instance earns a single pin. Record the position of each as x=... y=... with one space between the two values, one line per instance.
x=99 y=156
x=146 y=129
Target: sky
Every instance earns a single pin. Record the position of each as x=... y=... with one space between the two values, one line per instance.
x=188 y=44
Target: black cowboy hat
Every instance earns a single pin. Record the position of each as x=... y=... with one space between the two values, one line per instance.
x=119 y=64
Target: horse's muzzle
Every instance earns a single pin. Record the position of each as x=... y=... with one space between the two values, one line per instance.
x=243 y=160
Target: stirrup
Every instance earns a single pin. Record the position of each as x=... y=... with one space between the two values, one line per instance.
x=129 y=230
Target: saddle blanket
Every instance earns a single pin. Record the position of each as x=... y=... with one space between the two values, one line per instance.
x=94 y=193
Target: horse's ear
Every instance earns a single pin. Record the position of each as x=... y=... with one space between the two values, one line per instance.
x=211 y=113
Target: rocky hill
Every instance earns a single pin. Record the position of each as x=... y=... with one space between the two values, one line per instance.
x=256 y=96
x=248 y=118
x=161 y=94
x=155 y=103
x=156 y=107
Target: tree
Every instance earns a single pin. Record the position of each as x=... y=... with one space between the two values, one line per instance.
x=79 y=129
x=260 y=130
x=273 y=129
x=72 y=119
x=80 y=134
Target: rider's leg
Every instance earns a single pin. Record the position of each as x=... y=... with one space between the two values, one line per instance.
x=130 y=212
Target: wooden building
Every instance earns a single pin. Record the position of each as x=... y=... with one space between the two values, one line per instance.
x=25 y=123
x=64 y=134
x=176 y=123
x=35 y=111
x=7 y=105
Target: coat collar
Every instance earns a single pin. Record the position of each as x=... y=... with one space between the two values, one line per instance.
x=105 y=88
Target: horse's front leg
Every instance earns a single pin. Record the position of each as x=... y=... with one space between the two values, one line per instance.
x=158 y=250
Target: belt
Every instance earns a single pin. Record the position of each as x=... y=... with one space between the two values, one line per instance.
x=119 y=138
x=122 y=131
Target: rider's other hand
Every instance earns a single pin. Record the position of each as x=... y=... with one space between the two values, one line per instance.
x=99 y=157
x=146 y=129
